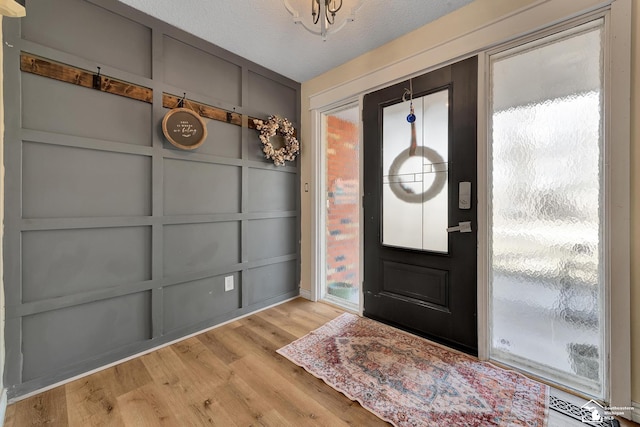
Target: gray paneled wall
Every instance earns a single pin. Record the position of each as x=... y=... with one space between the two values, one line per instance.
x=116 y=241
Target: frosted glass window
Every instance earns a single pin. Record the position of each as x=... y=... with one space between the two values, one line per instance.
x=415 y=188
x=546 y=275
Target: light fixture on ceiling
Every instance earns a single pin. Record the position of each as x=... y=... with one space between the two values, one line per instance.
x=323 y=17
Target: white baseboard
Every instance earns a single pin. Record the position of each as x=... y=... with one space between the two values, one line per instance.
x=133 y=356
x=306 y=294
x=635 y=415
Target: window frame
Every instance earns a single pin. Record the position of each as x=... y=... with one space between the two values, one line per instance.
x=617 y=188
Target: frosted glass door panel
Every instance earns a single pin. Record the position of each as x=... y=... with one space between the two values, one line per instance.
x=415 y=190
x=546 y=275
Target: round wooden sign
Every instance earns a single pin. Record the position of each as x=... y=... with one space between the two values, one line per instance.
x=184 y=128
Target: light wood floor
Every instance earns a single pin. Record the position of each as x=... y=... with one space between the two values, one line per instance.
x=229 y=376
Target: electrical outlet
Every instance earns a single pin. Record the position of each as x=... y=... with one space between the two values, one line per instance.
x=228 y=283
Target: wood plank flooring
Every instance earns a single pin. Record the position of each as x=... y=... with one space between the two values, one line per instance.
x=229 y=376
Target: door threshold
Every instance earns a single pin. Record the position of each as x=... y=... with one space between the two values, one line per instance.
x=344 y=305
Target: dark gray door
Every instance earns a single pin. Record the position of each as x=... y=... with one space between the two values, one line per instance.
x=420 y=180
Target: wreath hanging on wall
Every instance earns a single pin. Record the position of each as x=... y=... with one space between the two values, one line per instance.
x=278 y=126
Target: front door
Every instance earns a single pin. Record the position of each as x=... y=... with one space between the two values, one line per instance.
x=420 y=244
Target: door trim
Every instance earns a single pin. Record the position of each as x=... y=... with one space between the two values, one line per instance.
x=317 y=214
x=619 y=202
x=317 y=194
x=483 y=210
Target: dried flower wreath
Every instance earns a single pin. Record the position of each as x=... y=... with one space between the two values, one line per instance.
x=278 y=126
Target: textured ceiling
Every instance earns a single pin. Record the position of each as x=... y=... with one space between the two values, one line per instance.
x=263 y=31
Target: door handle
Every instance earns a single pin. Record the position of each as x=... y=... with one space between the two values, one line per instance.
x=463 y=227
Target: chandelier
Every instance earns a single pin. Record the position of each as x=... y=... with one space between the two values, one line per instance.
x=322 y=19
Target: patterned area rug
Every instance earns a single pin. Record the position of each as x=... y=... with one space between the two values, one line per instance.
x=408 y=381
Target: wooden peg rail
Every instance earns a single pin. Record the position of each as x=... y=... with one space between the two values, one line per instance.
x=77 y=76
x=66 y=73
x=172 y=101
